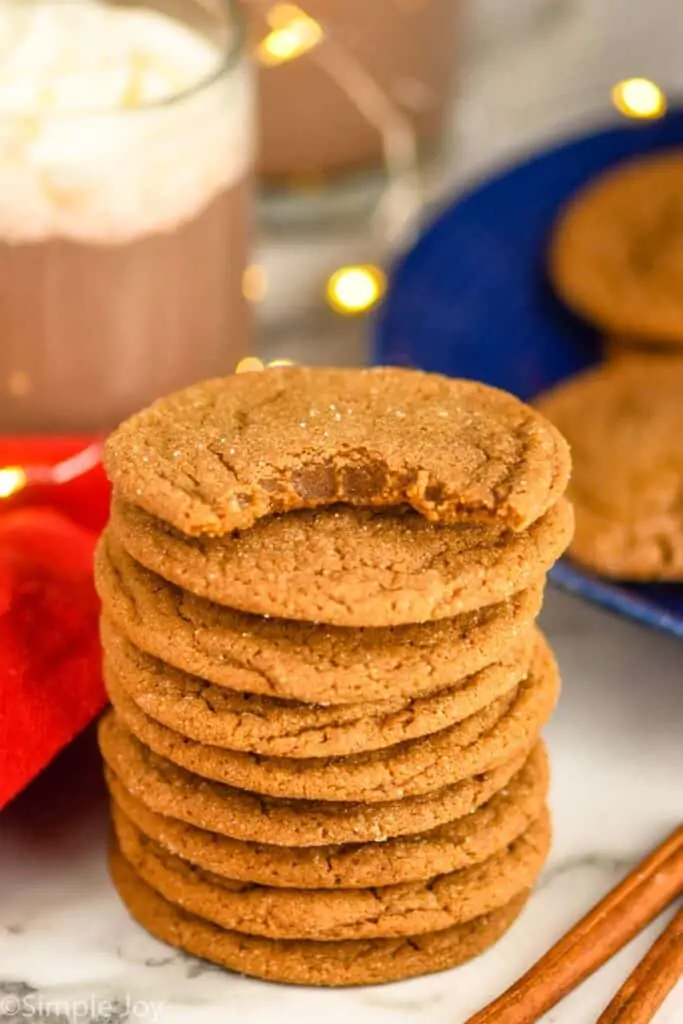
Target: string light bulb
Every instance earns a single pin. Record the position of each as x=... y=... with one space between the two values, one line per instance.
x=12 y=480
x=250 y=364
x=639 y=98
x=354 y=290
x=282 y=15
x=254 y=283
x=293 y=33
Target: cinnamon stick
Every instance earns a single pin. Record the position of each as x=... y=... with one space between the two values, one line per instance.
x=632 y=904
x=648 y=985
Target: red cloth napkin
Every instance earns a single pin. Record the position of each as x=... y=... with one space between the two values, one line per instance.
x=50 y=679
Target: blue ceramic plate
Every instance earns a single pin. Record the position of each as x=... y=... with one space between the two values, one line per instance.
x=471 y=299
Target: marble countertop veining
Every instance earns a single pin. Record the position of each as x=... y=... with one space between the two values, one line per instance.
x=69 y=951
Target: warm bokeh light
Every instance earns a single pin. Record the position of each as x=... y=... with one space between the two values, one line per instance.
x=12 y=479
x=639 y=97
x=250 y=364
x=293 y=33
x=281 y=362
x=282 y=15
x=254 y=283
x=353 y=290
x=19 y=384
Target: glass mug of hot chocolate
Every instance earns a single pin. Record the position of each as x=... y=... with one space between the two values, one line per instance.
x=126 y=148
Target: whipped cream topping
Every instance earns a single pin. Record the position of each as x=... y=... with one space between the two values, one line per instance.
x=114 y=121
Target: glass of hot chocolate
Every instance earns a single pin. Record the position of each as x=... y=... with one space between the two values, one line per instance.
x=126 y=149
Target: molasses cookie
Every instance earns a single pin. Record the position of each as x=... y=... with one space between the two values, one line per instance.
x=301 y=661
x=347 y=566
x=220 y=455
x=617 y=252
x=459 y=844
x=624 y=421
x=409 y=908
x=351 y=962
x=169 y=790
x=277 y=728
x=491 y=737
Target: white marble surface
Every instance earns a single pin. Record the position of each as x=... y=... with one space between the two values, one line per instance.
x=617 y=754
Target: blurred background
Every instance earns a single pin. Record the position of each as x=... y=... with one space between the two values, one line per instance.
x=524 y=76
x=193 y=181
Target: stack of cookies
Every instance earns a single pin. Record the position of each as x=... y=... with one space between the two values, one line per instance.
x=319 y=594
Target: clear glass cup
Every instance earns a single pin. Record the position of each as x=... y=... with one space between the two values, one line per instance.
x=126 y=153
x=347 y=87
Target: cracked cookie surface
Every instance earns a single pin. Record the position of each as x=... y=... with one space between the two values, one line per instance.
x=359 y=962
x=408 y=908
x=296 y=660
x=222 y=454
x=350 y=567
x=624 y=421
x=458 y=844
x=492 y=736
x=278 y=728
x=167 y=789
